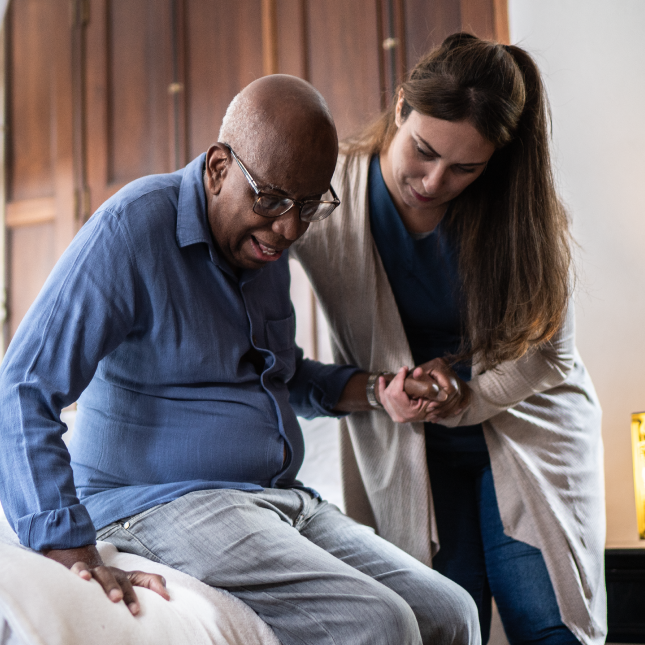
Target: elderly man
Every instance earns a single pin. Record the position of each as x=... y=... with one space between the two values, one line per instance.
x=169 y=316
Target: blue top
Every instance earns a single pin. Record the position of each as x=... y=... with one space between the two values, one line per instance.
x=423 y=274
x=144 y=320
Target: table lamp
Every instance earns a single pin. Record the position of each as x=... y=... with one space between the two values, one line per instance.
x=638 y=453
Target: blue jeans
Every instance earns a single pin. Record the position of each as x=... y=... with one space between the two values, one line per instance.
x=477 y=555
x=314 y=575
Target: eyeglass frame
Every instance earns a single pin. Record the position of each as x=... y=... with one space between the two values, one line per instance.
x=294 y=202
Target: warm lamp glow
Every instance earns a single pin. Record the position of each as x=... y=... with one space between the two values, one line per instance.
x=638 y=452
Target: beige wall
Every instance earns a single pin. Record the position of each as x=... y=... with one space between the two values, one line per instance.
x=592 y=53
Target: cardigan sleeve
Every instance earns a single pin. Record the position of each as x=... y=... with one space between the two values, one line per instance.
x=508 y=384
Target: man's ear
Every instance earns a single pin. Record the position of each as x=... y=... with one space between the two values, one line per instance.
x=217 y=162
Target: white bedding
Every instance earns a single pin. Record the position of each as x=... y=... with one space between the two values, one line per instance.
x=42 y=603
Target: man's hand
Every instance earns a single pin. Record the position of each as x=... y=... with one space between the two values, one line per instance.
x=118 y=585
x=455 y=393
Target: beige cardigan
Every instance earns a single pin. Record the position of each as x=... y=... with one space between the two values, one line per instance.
x=540 y=414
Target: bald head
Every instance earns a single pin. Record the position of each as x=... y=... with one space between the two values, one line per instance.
x=284 y=137
x=276 y=117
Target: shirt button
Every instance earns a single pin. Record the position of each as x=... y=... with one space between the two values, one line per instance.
x=126 y=525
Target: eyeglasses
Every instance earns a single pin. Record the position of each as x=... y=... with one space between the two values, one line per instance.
x=267 y=205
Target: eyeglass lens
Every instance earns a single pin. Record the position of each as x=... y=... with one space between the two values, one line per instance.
x=269 y=206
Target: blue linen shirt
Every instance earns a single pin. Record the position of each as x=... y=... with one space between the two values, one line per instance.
x=424 y=277
x=144 y=320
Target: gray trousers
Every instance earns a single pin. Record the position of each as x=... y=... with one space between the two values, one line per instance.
x=310 y=572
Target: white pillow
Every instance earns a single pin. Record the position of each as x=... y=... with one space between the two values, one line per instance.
x=46 y=604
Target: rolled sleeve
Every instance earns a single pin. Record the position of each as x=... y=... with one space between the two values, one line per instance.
x=57 y=529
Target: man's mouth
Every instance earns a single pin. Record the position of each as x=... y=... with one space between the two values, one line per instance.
x=265 y=252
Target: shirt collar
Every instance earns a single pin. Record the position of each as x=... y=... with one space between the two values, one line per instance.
x=192 y=220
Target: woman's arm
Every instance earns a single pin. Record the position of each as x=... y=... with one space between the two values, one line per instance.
x=510 y=383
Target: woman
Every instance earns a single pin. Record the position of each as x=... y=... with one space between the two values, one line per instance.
x=452 y=245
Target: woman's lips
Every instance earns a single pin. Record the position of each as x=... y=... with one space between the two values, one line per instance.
x=421 y=198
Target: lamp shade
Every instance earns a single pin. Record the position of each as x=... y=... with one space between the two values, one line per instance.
x=638 y=453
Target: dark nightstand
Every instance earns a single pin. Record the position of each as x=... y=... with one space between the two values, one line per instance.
x=625 y=576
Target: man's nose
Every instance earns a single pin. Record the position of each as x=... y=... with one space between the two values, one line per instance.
x=289 y=225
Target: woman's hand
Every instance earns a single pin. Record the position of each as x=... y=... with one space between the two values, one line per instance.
x=406 y=398
x=456 y=391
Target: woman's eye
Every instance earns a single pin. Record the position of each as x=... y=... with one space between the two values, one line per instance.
x=466 y=171
x=424 y=154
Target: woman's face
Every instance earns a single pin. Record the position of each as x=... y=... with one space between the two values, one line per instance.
x=429 y=162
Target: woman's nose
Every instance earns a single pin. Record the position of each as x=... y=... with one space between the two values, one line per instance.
x=433 y=178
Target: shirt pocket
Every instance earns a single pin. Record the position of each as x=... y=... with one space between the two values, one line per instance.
x=281 y=341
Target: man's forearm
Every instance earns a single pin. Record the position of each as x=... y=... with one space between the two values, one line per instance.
x=354 y=397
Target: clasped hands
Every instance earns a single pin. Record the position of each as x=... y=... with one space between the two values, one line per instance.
x=430 y=392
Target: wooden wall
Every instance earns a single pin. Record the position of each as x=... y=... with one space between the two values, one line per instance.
x=39 y=162
x=101 y=92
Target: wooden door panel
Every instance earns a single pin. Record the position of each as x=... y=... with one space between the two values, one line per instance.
x=344 y=54
x=40 y=190
x=30 y=100
x=427 y=24
x=128 y=77
x=477 y=18
x=32 y=257
x=223 y=54
x=139 y=70
x=292 y=26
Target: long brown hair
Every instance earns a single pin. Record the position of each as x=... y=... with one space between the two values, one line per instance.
x=511 y=228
